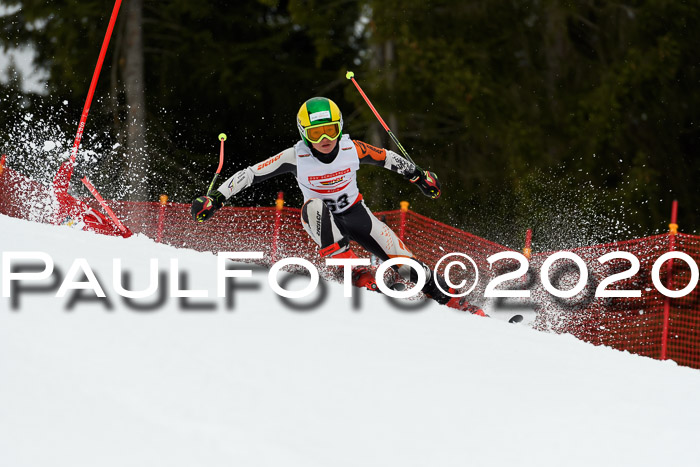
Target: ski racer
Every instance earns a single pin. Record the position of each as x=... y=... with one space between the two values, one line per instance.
x=325 y=162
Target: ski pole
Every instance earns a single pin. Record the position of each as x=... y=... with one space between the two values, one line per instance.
x=222 y=138
x=351 y=76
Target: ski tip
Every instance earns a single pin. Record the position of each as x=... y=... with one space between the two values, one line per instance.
x=349 y=75
x=222 y=136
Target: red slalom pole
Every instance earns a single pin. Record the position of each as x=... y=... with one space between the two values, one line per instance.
x=104 y=205
x=222 y=138
x=351 y=76
x=63 y=176
x=527 y=250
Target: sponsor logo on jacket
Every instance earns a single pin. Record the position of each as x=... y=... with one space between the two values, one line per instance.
x=332 y=182
x=271 y=160
x=320 y=178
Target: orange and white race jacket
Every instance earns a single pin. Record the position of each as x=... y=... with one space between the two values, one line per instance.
x=334 y=182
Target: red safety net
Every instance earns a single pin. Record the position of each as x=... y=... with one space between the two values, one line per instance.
x=632 y=324
x=651 y=325
x=276 y=233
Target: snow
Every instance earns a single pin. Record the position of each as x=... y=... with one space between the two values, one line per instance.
x=261 y=383
x=49 y=146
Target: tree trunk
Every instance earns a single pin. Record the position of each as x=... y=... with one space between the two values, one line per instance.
x=136 y=148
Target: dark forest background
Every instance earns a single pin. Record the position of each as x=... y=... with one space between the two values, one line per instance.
x=577 y=119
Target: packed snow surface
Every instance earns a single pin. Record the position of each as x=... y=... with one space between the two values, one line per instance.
x=337 y=382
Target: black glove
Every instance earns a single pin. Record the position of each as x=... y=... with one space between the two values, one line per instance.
x=204 y=207
x=427 y=182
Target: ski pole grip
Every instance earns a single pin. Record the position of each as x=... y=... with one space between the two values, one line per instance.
x=222 y=138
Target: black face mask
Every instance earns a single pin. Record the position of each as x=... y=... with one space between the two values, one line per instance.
x=326 y=158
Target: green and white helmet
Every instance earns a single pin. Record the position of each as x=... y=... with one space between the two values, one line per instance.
x=319 y=118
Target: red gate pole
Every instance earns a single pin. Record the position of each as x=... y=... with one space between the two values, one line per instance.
x=104 y=205
x=163 y=200
x=63 y=176
x=673 y=230
x=279 y=205
x=2 y=163
x=402 y=220
x=527 y=250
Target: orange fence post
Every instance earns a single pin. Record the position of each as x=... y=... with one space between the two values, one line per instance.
x=161 y=217
x=402 y=222
x=672 y=231
x=527 y=250
x=279 y=204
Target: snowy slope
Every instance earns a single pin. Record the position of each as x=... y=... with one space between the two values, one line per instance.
x=263 y=384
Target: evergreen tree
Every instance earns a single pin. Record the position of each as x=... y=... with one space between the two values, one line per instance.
x=524 y=109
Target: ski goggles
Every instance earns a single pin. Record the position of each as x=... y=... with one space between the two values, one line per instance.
x=316 y=133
